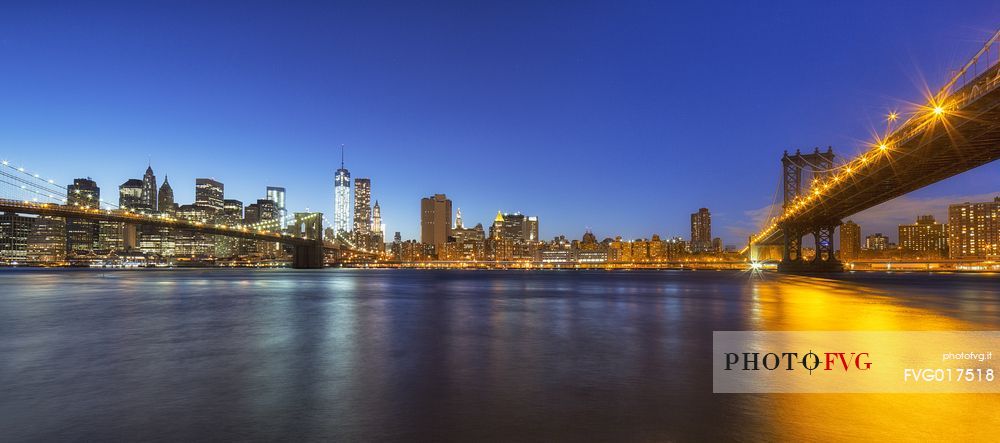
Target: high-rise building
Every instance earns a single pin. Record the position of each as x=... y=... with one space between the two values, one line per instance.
x=342 y=198
x=876 y=242
x=130 y=195
x=47 y=242
x=925 y=236
x=377 y=227
x=165 y=199
x=191 y=243
x=82 y=235
x=435 y=220
x=362 y=211
x=277 y=195
x=531 y=229
x=701 y=231
x=14 y=232
x=233 y=211
x=209 y=194
x=149 y=189
x=974 y=230
x=850 y=240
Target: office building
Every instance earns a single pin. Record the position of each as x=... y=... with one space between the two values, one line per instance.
x=210 y=195
x=130 y=196
x=974 y=230
x=82 y=235
x=342 y=198
x=165 y=198
x=14 y=233
x=277 y=195
x=362 y=211
x=148 y=196
x=47 y=242
x=435 y=220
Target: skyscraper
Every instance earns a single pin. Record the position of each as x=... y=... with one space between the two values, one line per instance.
x=209 y=194
x=701 y=231
x=342 y=198
x=131 y=195
x=47 y=242
x=82 y=235
x=277 y=195
x=435 y=220
x=149 y=189
x=165 y=199
x=14 y=232
x=377 y=219
x=850 y=240
x=974 y=230
x=362 y=210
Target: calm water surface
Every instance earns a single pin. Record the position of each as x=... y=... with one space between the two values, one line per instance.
x=385 y=355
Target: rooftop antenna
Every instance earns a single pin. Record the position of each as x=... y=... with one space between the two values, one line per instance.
x=341 y=156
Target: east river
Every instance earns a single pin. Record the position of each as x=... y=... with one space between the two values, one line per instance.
x=390 y=355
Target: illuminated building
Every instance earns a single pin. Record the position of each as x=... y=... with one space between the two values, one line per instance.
x=974 y=230
x=111 y=236
x=130 y=195
x=14 y=232
x=47 y=242
x=378 y=231
x=717 y=245
x=209 y=194
x=277 y=195
x=362 y=211
x=701 y=231
x=877 y=242
x=589 y=242
x=232 y=214
x=148 y=195
x=82 y=235
x=191 y=243
x=466 y=243
x=342 y=198
x=165 y=199
x=925 y=236
x=850 y=240
x=435 y=220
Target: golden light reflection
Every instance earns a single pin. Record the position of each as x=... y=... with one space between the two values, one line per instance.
x=790 y=303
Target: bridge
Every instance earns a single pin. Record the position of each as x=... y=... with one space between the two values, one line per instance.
x=957 y=129
x=309 y=249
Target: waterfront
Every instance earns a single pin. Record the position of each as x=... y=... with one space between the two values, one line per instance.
x=451 y=355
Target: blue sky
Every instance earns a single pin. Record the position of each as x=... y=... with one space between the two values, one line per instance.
x=621 y=117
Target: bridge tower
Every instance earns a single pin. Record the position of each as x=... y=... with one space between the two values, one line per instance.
x=308 y=255
x=793 y=167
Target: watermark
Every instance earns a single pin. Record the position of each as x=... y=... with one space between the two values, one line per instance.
x=855 y=361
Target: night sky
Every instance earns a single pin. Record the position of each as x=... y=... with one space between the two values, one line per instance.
x=619 y=117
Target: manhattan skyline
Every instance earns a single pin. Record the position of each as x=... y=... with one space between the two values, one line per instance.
x=388 y=84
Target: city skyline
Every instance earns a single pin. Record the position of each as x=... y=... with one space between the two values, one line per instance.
x=293 y=143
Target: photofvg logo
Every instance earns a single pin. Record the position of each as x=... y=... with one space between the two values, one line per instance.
x=854 y=361
x=790 y=361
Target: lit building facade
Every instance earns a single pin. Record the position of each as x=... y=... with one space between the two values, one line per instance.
x=974 y=230
x=926 y=236
x=701 y=231
x=165 y=198
x=210 y=195
x=342 y=199
x=876 y=242
x=47 y=242
x=82 y=235
x=148 y=195
x=277 y=195
x=850 y=240
x=15 y=231
x=130 y=195
x=362 y=211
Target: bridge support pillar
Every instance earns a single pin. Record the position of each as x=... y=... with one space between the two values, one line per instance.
x=825 y=259
x=308 y=256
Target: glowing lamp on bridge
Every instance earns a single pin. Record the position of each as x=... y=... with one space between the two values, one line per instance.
x=938 y=110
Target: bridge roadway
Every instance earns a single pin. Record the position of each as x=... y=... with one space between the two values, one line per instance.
x=963 y=134
x=307 y=253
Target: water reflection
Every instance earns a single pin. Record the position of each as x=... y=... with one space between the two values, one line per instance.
x=430 y=355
